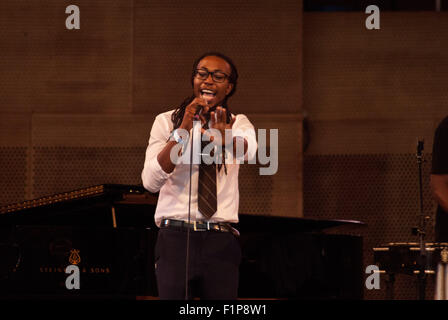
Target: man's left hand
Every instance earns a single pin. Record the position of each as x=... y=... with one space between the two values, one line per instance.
x=218 y=121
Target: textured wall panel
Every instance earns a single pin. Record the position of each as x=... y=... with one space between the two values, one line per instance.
x=99 y=130
x=397 y=72
x=369 y=96
x=60 y=169
x=48 y=68
x=279 y=194
x=15 y=129
x=255 y=191
x=13 y=170
x=263 y=37
x=380 y=190
x=369 y=136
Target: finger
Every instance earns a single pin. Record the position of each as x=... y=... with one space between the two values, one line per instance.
x=223 y=115
x=196 y=110
x=218 y=115
x=191 y=110
x=212 y=119
x=214 y=116
x=203 y=102
x=232 y=121
x=197 y=103
x=198 y=106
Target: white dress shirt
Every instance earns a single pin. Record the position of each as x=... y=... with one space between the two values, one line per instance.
x=174 y=188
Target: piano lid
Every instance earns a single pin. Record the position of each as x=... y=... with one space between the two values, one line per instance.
x=290 y=224
x=107 y=193
x=118 y=194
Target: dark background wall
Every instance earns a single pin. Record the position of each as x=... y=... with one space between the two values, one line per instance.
x=76 y=106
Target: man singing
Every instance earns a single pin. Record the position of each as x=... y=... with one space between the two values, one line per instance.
x=197 y=251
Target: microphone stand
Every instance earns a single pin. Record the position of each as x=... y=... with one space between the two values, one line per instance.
x=187 y=254
x=421 y=229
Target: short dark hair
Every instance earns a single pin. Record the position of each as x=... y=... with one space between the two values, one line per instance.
x=233 y=77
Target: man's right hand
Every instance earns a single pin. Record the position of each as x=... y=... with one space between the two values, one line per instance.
x=164 y=157
x=190 y=111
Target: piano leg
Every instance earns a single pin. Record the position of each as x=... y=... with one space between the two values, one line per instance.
x=390 y=286
x=421 y=285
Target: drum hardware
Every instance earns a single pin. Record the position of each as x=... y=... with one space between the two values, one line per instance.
x=421 y=230
x=405 y=258
x=441 y=291
x=413 y=258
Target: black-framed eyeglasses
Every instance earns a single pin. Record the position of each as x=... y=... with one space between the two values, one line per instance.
x=217 y=76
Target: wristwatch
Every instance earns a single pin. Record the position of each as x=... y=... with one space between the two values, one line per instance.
x=176 y=137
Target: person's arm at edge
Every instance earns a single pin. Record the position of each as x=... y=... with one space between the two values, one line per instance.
x=439 y=188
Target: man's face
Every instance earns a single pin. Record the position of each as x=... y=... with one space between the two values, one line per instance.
x=211 y=89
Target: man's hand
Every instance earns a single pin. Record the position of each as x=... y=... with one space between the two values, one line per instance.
x=190 y=111
x=218 y=121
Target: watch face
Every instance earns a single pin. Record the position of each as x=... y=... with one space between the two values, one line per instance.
x=176 y=136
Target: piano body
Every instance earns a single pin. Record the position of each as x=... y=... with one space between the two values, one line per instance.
x=105 y=230
x=108 y=232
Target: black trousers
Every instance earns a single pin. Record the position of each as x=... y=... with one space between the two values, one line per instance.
x=214 y=259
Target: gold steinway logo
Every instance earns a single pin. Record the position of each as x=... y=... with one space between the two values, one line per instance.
x=74 y=257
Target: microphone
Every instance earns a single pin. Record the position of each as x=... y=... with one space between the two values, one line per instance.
x=198 y=113
x=200 y=109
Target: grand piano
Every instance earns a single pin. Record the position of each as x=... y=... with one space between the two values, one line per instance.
x=108 y=232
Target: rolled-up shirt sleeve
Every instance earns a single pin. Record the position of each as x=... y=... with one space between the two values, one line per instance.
x=244 y=128
x=153 y=176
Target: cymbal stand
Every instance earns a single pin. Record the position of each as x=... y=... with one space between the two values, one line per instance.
x=421 y=229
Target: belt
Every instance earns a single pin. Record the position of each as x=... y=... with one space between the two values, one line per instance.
x=199 y=225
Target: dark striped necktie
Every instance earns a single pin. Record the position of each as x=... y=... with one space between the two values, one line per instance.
x=207 y=194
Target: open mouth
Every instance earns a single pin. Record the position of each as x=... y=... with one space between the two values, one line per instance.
x=208 y=94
